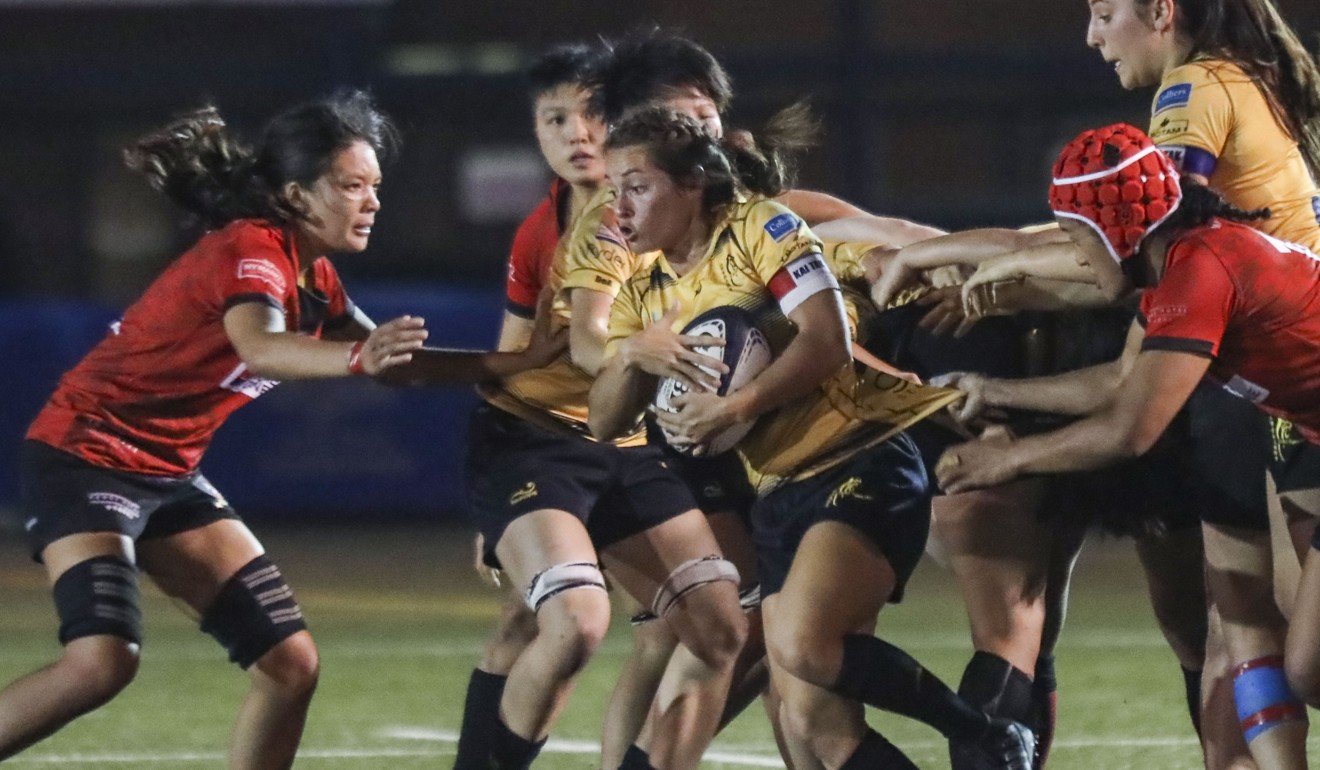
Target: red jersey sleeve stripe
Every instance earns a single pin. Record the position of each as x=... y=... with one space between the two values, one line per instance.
x=243 y=299
x=1180 y=345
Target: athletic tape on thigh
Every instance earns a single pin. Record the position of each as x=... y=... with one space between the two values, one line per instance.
x=1264 y=700
x=254 y=612
x=749 y=599
x=99 y=596
x=689 y=575
x=555 y=580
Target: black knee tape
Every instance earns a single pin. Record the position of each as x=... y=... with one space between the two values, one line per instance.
x=254 y=612
x=99 y=596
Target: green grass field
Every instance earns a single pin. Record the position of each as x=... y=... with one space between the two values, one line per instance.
x=400 y=619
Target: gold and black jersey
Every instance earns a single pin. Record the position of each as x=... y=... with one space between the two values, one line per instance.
x=592 y=255
x=764 y=259
x=1213 y=120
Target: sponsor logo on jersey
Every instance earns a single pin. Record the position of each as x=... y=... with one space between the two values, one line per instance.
x=115 y=503
x=261 y=270
x=1167 y=129
x=712 y=489
x=1165 y=313
x=780 y=227
x=1174 y=96
x=851 y=487
x=240 y=382
x=526 y=493
x=603 y=281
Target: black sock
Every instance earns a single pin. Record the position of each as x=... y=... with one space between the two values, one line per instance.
x=879 y=674
x=509 y=750
x=995 y=686
x=874 y=751
x=1045 y=703
x=636 y=758
x=481 y=711
x=1192 y=683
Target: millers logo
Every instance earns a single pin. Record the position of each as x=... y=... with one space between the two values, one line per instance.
x=851 y=487
x=526 y=493
x=115 y=503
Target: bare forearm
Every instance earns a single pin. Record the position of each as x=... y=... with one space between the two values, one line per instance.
x=969 y=247
x=618 y=397
x=1048 y=295
x=287 y=356
x=1091 y=443
x=435 y=366
x=799 y=370
x=885 y=231
x=1083 y=391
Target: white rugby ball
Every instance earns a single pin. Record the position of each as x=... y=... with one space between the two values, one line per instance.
x=746 y=353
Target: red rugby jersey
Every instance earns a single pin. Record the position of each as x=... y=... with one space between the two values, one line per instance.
x=1250 y=302
x=533 y=250
x=148 y=397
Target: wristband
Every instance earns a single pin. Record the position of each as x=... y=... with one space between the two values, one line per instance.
x=355 y=358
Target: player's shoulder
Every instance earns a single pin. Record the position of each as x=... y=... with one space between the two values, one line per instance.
x=542 y=217
x=242 y=239
x=1199 y=76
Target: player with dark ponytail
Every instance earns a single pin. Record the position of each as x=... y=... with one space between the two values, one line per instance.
x=109 y=472
x=842 y=509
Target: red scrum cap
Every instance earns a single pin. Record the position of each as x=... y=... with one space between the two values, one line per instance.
x=1118 y=183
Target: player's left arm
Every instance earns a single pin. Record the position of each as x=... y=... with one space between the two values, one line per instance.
x=817 y=207
x=891 y=232
x=1159 y=385
x=439 y=366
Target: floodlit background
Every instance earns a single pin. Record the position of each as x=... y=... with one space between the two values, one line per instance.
x=944 y=111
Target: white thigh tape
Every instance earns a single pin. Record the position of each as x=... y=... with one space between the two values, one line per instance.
x=560 y=578
x=689 y=575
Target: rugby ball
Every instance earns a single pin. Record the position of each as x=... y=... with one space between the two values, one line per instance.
x=746 y=353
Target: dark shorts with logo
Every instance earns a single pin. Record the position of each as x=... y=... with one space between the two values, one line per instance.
x=65 y=495
x=1294 y=461
x=882 y=492
x=719 y=483
x=515 y=467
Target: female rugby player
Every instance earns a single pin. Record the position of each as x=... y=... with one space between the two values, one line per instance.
x=1220 y=297
x=841 y=518
x=109 y=470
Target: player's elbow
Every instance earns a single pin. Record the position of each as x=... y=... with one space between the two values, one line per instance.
x=1133 y=441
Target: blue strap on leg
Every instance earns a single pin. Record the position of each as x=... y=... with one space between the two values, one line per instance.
x=1264 y=700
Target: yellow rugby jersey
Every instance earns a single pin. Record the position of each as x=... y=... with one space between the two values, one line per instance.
x=1214 y=121
x=594 y=255
x=763 y=259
